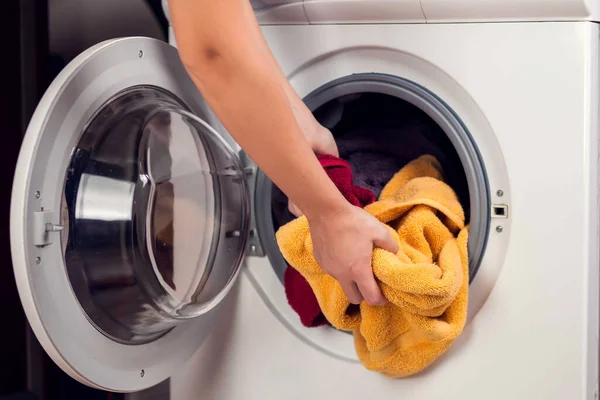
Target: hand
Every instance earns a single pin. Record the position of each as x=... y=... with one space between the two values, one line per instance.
x=343 y=245
x=322 y=142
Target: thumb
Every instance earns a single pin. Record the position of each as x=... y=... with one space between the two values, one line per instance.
x=385 y=240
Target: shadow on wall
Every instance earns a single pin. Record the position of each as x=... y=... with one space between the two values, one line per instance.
x=76 y=25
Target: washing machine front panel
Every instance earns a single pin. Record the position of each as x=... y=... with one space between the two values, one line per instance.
x=531 y=105
x=129 y=216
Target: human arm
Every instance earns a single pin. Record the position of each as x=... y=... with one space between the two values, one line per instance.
x=224 y=52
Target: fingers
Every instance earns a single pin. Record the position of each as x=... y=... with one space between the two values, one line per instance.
x=363 y=274
x=351 y=291
x=325 y=143
x=384 y=240
x=369 y=289
x=330 y=148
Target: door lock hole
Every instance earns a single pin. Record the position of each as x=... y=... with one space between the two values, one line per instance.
x=500 y=211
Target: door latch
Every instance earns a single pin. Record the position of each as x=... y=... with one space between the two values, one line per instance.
x=44 y=228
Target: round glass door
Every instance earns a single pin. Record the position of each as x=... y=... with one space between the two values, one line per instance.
x=150 y=240
x=129 y=216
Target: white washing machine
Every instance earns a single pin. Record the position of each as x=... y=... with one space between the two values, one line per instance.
x=143 y=243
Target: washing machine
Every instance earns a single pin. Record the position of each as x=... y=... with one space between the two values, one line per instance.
x=143 y=237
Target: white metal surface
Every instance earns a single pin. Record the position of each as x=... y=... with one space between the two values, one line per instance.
x=51 y=306
x=294 y=12
x=279 y=12
x=531 y=102
x=509 y=10
x=371 y=11
x=432 y=11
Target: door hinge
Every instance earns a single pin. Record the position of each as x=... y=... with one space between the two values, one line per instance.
x=44 y=228
x=253 y=247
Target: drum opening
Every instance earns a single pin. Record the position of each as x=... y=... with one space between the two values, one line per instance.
x=381 y=123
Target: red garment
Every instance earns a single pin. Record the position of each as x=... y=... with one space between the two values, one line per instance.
x=340 y=173
x=298 y=291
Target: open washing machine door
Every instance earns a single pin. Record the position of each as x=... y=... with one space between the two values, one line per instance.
x=129 y=217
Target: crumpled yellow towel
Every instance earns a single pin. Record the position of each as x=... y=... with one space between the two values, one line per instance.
x=426 y=282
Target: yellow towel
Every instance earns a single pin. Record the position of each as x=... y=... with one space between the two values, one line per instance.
x=426 y=282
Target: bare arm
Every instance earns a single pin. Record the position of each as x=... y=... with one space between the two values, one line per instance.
x=224 y=52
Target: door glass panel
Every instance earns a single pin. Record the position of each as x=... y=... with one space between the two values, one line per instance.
x=157 y=211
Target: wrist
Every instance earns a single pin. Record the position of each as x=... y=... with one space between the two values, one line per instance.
x=325 y=207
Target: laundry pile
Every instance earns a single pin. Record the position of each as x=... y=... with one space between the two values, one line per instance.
x=426 y=282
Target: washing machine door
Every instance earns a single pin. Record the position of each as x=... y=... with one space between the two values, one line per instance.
x=129 y=216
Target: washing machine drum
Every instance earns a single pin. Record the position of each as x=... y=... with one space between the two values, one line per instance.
x=380 y=124
x=378 y=135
